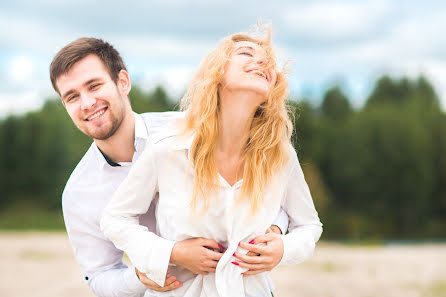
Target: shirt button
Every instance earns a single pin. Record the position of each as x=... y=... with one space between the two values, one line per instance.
x=86 y=278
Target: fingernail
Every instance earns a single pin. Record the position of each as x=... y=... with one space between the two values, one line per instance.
x=252 y=241
x=234 y=255
x=235 y=263
x=220 y=246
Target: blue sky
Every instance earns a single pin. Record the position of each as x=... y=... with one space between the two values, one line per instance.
x=162 y=42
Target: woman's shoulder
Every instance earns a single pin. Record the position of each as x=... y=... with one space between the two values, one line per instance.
x=169 y=138
x=293 y=159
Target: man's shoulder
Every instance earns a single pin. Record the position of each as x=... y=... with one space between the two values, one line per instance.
x=79 y=176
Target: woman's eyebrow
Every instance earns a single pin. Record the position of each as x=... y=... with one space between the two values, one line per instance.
x=245 y=47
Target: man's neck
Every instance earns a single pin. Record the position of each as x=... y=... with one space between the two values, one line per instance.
x=120 y=146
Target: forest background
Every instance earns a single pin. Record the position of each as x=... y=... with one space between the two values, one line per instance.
x=376 y=172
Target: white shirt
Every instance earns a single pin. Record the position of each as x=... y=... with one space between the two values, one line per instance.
x=164 y=168
x=88 y=190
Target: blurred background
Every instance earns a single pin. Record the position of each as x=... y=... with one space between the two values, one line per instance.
x=367 y=83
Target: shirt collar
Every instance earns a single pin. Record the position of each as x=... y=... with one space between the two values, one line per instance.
x=140 y=128
x=140 y=137
x=183 y=141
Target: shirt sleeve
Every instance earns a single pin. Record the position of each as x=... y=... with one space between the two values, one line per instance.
x=147 y=251
x=281 y=221
x=305 y=227
x=101 y=262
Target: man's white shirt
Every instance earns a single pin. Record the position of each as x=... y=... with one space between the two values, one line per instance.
x=87 y=192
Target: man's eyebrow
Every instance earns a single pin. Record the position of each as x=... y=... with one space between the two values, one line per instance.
x=91 y=80
x=67 y=93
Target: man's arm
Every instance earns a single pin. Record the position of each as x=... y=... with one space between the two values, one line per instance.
x=101 y=262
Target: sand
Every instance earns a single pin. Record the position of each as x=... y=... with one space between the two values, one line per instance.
x=42 y=265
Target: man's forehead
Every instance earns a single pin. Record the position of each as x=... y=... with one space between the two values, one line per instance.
x=82 y=71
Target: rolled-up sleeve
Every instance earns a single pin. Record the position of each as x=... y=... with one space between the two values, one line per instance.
x=305 y=227
x=147 y=251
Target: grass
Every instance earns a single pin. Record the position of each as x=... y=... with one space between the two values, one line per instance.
x=436 y=289
x=30 y=217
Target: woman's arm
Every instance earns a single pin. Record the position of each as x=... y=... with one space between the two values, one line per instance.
x=305 y=227
x=120 y=220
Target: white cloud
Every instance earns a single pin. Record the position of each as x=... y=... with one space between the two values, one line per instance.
x=331 y=21
x=160 y=47
x=21 y=69
x=18 y=103
x=174 y=80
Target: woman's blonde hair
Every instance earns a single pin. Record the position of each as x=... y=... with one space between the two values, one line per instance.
x=266 y=150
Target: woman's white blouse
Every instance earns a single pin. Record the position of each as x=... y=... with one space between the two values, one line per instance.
x=164 y=168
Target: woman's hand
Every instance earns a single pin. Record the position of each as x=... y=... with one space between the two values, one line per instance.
x=170 y=284
x=264 y=252
x=199 y=255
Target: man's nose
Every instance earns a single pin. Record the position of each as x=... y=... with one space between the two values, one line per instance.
x=87 y=101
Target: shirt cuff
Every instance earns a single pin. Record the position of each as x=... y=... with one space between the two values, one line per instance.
x=133 y=282
x=295 y=249
x=162 y=258
x=281 y=221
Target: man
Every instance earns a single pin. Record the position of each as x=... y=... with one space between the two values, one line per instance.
x=91 y=78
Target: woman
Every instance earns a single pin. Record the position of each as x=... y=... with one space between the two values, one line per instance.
x=222 y=173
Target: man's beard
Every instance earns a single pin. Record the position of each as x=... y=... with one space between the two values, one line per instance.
x=107 y=132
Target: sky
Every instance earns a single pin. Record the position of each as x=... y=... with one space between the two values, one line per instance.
x=351 y=43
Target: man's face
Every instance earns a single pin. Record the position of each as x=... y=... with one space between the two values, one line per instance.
x=94 y=102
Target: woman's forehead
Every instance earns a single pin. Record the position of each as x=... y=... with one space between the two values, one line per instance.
x=249 y=45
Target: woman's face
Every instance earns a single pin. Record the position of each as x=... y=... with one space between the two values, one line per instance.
x=245 y=71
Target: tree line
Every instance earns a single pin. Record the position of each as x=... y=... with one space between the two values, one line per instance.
x=375 y=172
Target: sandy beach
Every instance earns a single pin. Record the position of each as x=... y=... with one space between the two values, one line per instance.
x=42 y=265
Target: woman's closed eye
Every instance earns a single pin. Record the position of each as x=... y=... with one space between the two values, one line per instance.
x=246 y=54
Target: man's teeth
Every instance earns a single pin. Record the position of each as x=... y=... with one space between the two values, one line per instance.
x=98 y=114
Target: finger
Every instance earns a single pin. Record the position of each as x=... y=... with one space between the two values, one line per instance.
x=149 y=283
x=274 y=229
x=252 y=254
x=253 y=248
x=212 y=255
x=172 y=286
x=210 y=270
x=253 y=272
x=169 y=280
x=264 y=238
x=211 y=243
x=249 y=266
x=250 y=259
x=210 y=264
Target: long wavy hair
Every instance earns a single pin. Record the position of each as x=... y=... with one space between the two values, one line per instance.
x=267 y=146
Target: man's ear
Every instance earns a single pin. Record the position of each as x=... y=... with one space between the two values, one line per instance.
x=124 y=84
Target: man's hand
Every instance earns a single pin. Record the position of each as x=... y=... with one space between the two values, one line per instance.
x=199 y=255
x=274 y=229
x=264 y=252
x=170 y=284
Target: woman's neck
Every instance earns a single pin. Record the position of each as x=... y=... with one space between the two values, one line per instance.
x=234 y=126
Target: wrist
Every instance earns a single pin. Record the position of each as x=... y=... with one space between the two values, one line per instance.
x=174 y=255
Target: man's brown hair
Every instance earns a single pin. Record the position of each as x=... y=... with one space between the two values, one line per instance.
x=79 y=49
